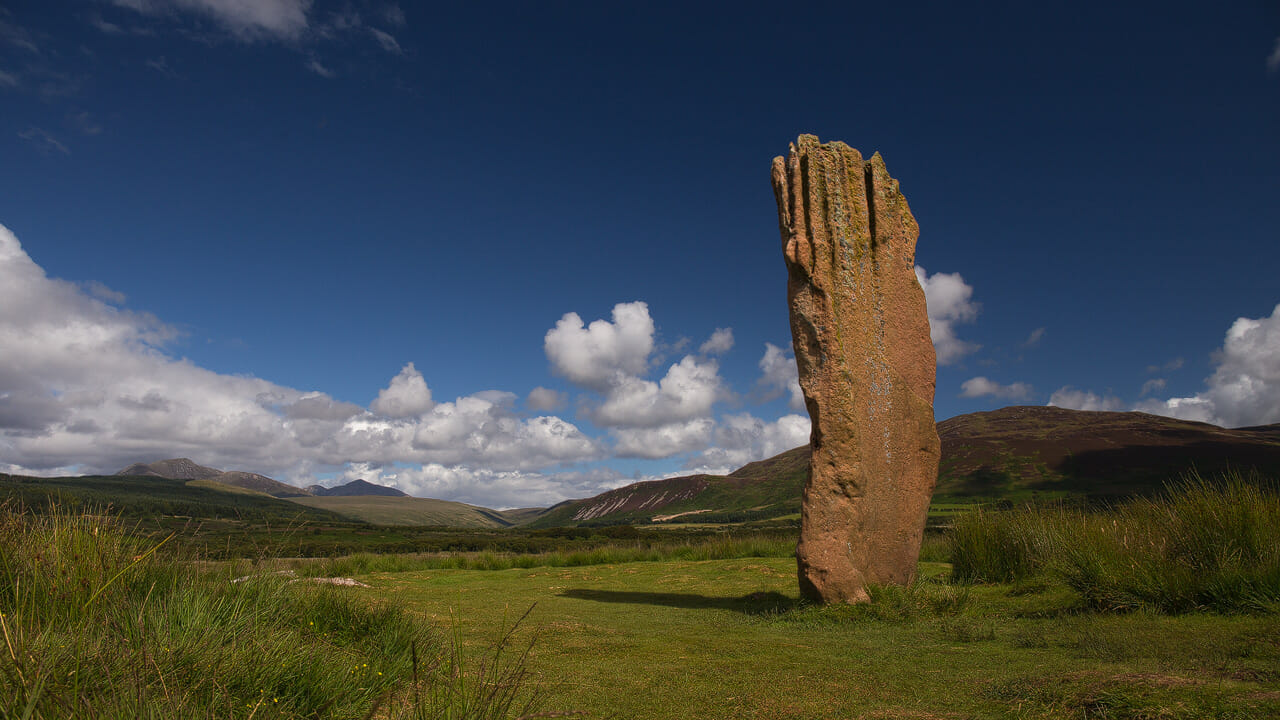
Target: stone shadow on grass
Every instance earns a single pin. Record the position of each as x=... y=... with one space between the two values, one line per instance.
x=757 y=603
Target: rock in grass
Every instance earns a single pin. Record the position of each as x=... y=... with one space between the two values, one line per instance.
x=867 y=368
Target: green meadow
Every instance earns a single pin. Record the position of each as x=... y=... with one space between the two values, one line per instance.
x=1158 y=608
x=729 y=639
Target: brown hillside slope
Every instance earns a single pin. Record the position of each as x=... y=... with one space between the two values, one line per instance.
x=1101 y=454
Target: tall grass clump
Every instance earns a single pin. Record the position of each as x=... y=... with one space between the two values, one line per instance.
x=998 y=545
x=97 y=621
x=1204 y=545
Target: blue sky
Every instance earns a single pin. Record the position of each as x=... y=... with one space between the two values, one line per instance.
x=515 y=253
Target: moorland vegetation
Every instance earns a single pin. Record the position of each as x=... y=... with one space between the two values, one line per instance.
x=1156 y=607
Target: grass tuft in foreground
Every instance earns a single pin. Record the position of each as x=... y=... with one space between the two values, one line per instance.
x=1204 y=546
x=96 y=623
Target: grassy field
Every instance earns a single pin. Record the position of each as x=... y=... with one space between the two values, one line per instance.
x=729 y=639
x=1163 y=608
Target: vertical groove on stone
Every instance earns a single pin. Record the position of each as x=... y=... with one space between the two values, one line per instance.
x=869 y=182
x=861 y=336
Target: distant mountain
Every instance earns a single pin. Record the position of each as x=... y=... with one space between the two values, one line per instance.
x=184 y=469
x=1015 y=453
x=175 y=469
x=355 y=487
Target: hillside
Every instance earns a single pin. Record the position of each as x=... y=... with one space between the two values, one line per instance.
x=404 y=510
x=1020 y=450
x=1014 y=453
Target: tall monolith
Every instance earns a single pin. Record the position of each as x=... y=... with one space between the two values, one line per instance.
x=867 y=367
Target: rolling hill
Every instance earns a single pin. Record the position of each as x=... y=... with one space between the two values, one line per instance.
x=1016 y=453
x=1021 y=451
x=405 y=510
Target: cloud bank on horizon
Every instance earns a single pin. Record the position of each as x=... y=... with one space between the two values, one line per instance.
x=86 y=386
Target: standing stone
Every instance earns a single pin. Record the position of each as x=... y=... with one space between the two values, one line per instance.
x=867 y=368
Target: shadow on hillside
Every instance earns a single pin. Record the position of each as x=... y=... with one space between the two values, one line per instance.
x=1145 y=469
x=758 y=603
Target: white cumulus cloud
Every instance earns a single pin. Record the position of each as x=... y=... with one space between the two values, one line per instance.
x=406 y=396
x=780 y=375
x=542 y=399
x=664 y=441
x=645 y=418
x=593 y=356
x=88 y=387
x=720 y=342
x=1245 y=386
x=1151 y=386
x=950 y=303
x=500 y=489
x=742 y=438
x=1072 y=399
x=478 y=431
x=687 y=391
x=982 y=387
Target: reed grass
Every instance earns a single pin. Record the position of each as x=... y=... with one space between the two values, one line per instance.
x=1204 y=545
x=95 y=623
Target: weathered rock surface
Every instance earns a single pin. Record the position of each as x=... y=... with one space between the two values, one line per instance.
x=867 y=368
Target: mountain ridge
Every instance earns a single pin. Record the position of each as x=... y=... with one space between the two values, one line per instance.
x=191 y=471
